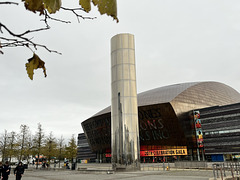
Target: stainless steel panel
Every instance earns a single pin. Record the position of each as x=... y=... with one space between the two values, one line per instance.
x=124 y=116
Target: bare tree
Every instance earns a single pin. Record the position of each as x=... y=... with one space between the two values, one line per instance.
x=4 y=145
x=22 y=140
x=71 y=149
x=29 y=146
x=12 y=145
x=60 y=150
x=38 y=141
x=50 y=147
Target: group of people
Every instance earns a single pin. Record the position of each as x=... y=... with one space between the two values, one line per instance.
x=45 y=165
x=6 y=169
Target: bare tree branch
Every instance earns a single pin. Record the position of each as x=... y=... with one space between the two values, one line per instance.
x=21 y=35
x=8 y=2
x=20 y=40
x=75 y=12
x=23 y=41
x=47 y=16
x=35 y=30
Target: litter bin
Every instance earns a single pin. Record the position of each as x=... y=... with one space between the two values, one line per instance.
x=73 y=166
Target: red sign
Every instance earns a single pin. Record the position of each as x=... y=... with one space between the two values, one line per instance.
x=108 y=155
x=166 y=152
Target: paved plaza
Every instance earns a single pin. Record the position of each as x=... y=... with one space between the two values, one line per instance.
x=173 y=174
x=97 y=171
x=150 y=175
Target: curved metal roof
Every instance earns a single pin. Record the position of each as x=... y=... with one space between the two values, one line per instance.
x=193 y=92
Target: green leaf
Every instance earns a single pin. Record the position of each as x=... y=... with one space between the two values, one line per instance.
x=34 y=5
x=52 y=5
x=34 y=63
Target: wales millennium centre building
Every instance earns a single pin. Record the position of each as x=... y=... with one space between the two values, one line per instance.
x=186 y=121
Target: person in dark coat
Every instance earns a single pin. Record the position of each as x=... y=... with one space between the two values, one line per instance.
x=1 y=168
x=6 y=171
x=19 y=171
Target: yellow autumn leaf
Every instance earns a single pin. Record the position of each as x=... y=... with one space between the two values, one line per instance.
x=86 y=5
x=52 y=5
x=34 y=63
x=34 y=5
x=108 y=7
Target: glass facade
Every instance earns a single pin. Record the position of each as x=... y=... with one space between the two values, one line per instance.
x=221 y=130
x=84 y=152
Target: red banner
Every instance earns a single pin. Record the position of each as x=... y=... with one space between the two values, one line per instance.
x=167 y=152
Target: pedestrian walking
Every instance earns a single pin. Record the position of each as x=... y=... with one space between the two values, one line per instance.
x=1 y=168
x=19 y=171
x=6 y=171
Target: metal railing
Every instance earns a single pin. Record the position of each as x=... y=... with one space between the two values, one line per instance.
x=222 y=170
x=155 y=166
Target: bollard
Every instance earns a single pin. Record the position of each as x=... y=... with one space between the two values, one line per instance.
x=236 y=168
x=232 y=170
x=224 y=173
x=214 y=174
x=221 y=173
x=217 y=170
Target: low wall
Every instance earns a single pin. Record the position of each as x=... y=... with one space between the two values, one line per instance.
x=190 y=164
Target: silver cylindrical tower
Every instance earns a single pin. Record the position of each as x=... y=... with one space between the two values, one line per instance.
x=124 y=109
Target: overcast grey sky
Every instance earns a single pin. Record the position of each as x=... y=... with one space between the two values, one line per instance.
x=176 y=41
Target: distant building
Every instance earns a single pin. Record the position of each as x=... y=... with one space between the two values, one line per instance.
x=167 y=126
x=84 y=152
x=221 y=132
